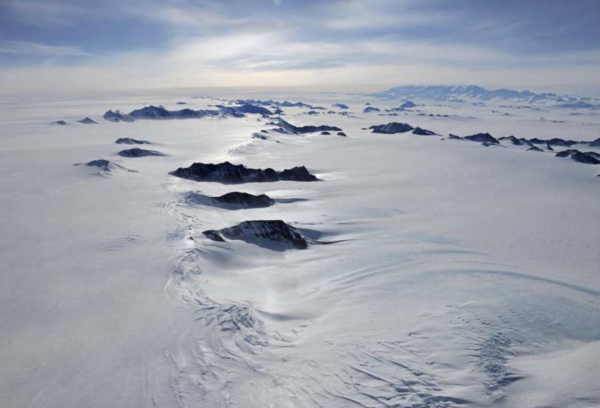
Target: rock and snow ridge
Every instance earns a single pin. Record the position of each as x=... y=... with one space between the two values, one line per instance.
x=340 y=106
x=289 y=128
x=105 y=166
x=406 y=105
x=272 y=234
x=270 y=102
x=392 y=128
x=137 y=152
x=243 y=109
x=486 y=139
x=131 y=141
x=88 y=121
x=395 y=127
x=595 y=143
x=234 y=200
x=160 y=113
x=228 y=173
x=479 y=137
x=580 y=157
x=116 y=116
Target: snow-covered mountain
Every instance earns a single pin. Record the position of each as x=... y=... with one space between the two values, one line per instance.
x=474 y=93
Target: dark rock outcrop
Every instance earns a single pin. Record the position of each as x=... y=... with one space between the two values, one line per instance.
x=566 y=153
x=287 y=104
x=288 y=127
x=272 y=234
x=131 y=141
x=595 y=143
x=236 y=174
x=299 y=173
x=581 y=157
x=256 y=102
x=553 y=142
x=340 y=105
x=437 y=115
x=423 y=132
x=534 y=149
x=104 y=165
x=482 y=138
x=153 y=112
x=248 y=108
x=512 y=139
x=392 y=128
x=137 y=152
x=116 y=116
x=576 y=105
x=341 y=134
x=88 y=121
x=213 y=235
x=230 y=111
x=230 y=201
x=100 y=163
x=60 y=122
x=369 y=109
x=325 y=133
x=244 y=200
x=160 y=113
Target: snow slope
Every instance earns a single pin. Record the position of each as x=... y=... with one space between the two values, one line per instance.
x=455 y=275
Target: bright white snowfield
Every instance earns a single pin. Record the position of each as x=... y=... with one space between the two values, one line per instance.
x=457 y=274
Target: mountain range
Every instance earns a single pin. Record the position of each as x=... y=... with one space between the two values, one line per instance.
x=474 y=93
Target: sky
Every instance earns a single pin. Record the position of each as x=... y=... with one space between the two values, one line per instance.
x=61 y=45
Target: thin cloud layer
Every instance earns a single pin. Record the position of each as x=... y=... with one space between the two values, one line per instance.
x=259 y=43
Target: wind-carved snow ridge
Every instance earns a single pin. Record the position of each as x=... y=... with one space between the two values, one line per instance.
x=231 y=345
x=232 y=358
x=227 y=340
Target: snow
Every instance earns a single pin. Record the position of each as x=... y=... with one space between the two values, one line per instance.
x=460 y=274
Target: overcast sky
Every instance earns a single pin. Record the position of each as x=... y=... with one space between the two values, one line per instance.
x=67 y=44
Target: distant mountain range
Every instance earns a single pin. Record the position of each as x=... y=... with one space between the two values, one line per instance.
x=473 y=93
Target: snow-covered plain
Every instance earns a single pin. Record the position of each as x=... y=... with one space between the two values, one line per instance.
x=461 y=275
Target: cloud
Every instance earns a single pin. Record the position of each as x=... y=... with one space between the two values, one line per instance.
x=253 y=43
x=44 y=13
x=265 y=59
x=380 y=15
x=44 y=50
